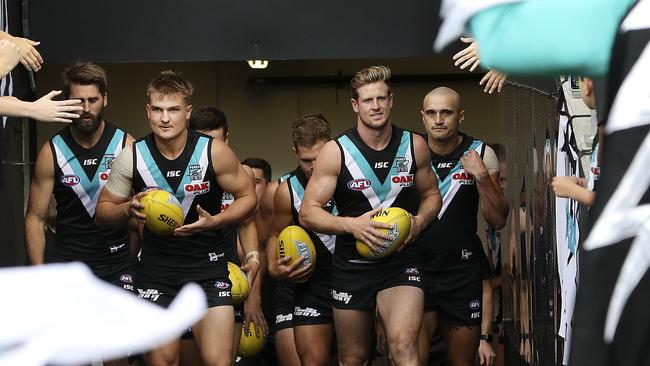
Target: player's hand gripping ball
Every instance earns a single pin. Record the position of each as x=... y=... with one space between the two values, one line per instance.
x=240 y=286
x=163 y=212
x=400 y=222
x=294 y=242
x=249 y=343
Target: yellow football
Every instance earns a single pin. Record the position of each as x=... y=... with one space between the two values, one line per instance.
x=240 y=287
x=249 y=343
x=400 y=222
x=163 y=212
x=294 y=242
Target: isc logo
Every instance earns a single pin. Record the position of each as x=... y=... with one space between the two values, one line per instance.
x=90 y=161
x=173 y=173
x=69 y=180
x=381 y=165
x=444 y=165
x=359 y=184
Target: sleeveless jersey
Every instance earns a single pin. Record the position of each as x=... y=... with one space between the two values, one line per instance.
x=80 y=174
x=324 y=243
x=191 y=178
x=370 y=179
x=451 y=241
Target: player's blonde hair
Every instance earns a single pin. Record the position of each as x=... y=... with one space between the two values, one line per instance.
x=369 y=75
x=169 y=82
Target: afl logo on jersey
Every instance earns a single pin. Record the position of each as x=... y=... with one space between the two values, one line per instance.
x=359 y=184
x=474 y=304
x=69 y=180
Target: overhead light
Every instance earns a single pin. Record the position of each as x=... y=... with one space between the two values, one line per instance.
x=258 y=64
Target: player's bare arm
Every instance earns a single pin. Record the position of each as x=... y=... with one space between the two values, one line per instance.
x=233 y=179
x=116 y=203
x=427 y=186
x=40 y=191
x=282 y=217
x=247 y=235
x=320 y=190
x=492 y=201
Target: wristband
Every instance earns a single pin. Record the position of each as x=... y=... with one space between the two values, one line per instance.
x=253 y=255
x=486 y=337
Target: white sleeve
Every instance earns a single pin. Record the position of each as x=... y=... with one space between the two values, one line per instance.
x=490 y=160
x=120 y=181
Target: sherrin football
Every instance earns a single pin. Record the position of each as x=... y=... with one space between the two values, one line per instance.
x=294 y=242
x=400 y=222
x=249 y=343
x=163 y=212
x=240 y=287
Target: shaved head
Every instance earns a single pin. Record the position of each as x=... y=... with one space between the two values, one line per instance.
x=445 y=92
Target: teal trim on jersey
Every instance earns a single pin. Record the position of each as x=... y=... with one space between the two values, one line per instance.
x=516 y=38
x=444 y=185
x=157 y=174
x=284 y=177
x=112 y=147
x=297 y=187
x=152 y=167
x=380 y=189
x=90 y=186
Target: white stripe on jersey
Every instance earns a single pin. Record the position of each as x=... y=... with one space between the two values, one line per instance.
x=370 y=194
x=149 y=181
x=328 y=240
x=77 y=188
x=89 y=203
x=454 y=187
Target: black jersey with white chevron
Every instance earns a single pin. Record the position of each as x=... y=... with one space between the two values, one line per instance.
x=191 y=178
x=455 y=229
x=370 y=179
x=324 y=243
x=79 y=176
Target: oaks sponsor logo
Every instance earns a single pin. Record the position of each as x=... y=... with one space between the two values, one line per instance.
x=197 y=188
x=463 y=178
x=402 y=180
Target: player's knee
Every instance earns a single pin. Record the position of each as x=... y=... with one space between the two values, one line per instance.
x=358 y=358
x=163 y=359
x=343 y=363
x=403 y=344
x=314 y=357
x=314 y=361
x=216 y=357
